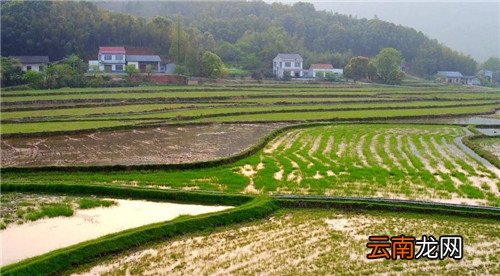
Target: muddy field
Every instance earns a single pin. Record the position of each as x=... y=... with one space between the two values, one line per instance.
x=160 y=145
x=311 y=242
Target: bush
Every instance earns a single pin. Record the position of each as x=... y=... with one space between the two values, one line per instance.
x=34 y=79
x=51 y=211
x=88 y=203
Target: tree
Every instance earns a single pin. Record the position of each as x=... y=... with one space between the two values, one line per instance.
x=492 y=64
x=11 y=72
x=34 y=79
x=149 y=71
x=357 y=68
x=388 y=64
x=132 y=73
x=212 y=66
x=179 y=43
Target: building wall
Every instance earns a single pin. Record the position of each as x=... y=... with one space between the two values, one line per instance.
x=280 y=66
x=338 y=72
x=32 y=67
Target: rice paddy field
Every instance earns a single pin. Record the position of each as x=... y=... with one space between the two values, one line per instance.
x=40 y=111
x=309 y=242
x=260 y=142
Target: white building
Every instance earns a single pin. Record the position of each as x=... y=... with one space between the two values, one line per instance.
x=109 y=59
x=320 y=70
x=32 y=63
x=291 y=63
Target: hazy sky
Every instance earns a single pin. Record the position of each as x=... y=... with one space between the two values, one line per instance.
x=469 y=27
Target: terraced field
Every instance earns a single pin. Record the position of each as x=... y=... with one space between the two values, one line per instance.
x=125 y=141
x=44 y=111
x=319 y=242
x=376 y=160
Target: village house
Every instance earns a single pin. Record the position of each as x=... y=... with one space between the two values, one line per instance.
x=32 y=63
x=486 y=74
x=320 y=70
x=451 y=77
x=471 y=80
x=167 y=65
x=109 y=59
x=114 y=60
x=142 y=58
x=288 y=64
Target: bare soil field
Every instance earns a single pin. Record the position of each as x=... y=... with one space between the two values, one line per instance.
x=312 y=242
x=162 y=145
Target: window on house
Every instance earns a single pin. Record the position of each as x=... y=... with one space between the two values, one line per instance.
x=274 y=64
x=107 y=57
x=297 y=64
x=288 y=64
x=28 y=68
x=119 y=57
x=119 y=67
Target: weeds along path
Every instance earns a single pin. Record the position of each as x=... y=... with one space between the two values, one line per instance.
x=417 y=162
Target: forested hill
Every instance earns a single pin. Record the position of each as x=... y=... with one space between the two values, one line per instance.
x=245 y=34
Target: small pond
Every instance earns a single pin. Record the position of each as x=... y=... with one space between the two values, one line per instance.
x=34 y=238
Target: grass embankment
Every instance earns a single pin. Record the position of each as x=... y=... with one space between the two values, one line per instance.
x=487 y=147
x=393 y=161
x=90 y=109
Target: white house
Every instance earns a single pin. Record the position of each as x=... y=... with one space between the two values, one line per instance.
x=452 y=77
x=114 y=59
x=32 y=63
x=472 y=80
x=319 y=70
x=291 y=63
x=109 y=59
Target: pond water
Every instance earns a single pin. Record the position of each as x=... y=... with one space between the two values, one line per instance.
x=490 y=131
x=470 y=120
x=34 y=238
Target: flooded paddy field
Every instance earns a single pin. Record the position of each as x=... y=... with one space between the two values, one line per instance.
x=420 y=162
x=161 y=145
x=295 y=242
x=21 y=241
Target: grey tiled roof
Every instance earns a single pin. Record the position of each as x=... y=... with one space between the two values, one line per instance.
x=143 y=58
x=32 y=59
x=289 y=56
x=450 y=74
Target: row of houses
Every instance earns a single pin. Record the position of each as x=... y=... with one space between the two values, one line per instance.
x=454 y=77
x=292 y=64
x=114 y=60
x=110 y=60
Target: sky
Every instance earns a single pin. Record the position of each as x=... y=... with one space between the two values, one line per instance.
x=472 y=28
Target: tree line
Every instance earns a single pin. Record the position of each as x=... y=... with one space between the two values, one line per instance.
x=245 y=35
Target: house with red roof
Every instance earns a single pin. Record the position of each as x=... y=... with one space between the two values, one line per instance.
x=109 y=59
x=320 y=70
